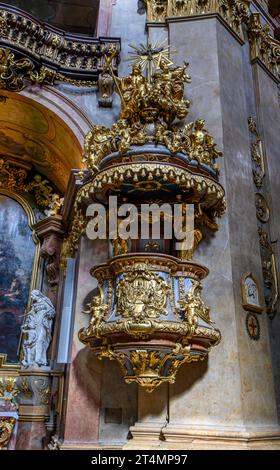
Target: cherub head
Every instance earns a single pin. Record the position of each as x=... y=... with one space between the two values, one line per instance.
x=35 y=295
x=199 y=124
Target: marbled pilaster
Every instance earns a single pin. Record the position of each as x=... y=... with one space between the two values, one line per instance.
x=232 y=394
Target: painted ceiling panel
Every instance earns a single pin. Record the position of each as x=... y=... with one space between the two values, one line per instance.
x=31 y=133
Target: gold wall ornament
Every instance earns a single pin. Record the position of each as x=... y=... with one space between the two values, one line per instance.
x=75 y=59
x=17 y=74
x=14 y=177
x=262 y=208
x=270 y=275
x=8 y=388
x=152 y=319
x=257 y=154
x=234 y=12
x=156 y=10
x=23 y=387
x=71 y=242
x=120 y=246
x=6 y=429
x=13 y=73
x=264 y=48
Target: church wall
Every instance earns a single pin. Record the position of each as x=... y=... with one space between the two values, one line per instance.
x=234 y=374
x=258 y=402
x=196 y=396
x=267 y=94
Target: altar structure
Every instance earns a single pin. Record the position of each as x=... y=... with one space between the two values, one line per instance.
x=139 y=182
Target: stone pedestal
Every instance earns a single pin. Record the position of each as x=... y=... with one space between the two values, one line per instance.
x=34 y=397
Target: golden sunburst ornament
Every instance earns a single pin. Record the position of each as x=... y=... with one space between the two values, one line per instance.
x=150 y=55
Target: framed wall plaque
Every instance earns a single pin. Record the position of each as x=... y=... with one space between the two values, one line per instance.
x=250 y=293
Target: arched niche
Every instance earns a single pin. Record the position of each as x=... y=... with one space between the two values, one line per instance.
x=19 y=266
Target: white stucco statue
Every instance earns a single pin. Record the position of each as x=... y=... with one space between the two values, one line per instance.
x=37 y=329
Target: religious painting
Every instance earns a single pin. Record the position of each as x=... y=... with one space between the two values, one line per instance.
x=250 y=293
x=17 y=250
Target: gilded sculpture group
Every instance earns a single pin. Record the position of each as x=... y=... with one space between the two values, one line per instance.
x=148 y=108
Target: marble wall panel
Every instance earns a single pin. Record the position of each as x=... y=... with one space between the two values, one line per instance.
x=83 y=402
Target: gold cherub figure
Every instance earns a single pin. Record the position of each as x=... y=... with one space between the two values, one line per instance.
x=97 y=310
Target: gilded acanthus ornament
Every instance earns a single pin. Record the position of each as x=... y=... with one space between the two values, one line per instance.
x=270 y=275
x=234 y=12
x=12 y=178
x=257 y=154
x=120 y=246
x=6 y=428
x=15 y=178
x=70 y=243
x=17 y=74
x=13 y=73
x=8 y=388
x=263 y=46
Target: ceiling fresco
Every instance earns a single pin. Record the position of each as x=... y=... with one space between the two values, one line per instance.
x=34 y=135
